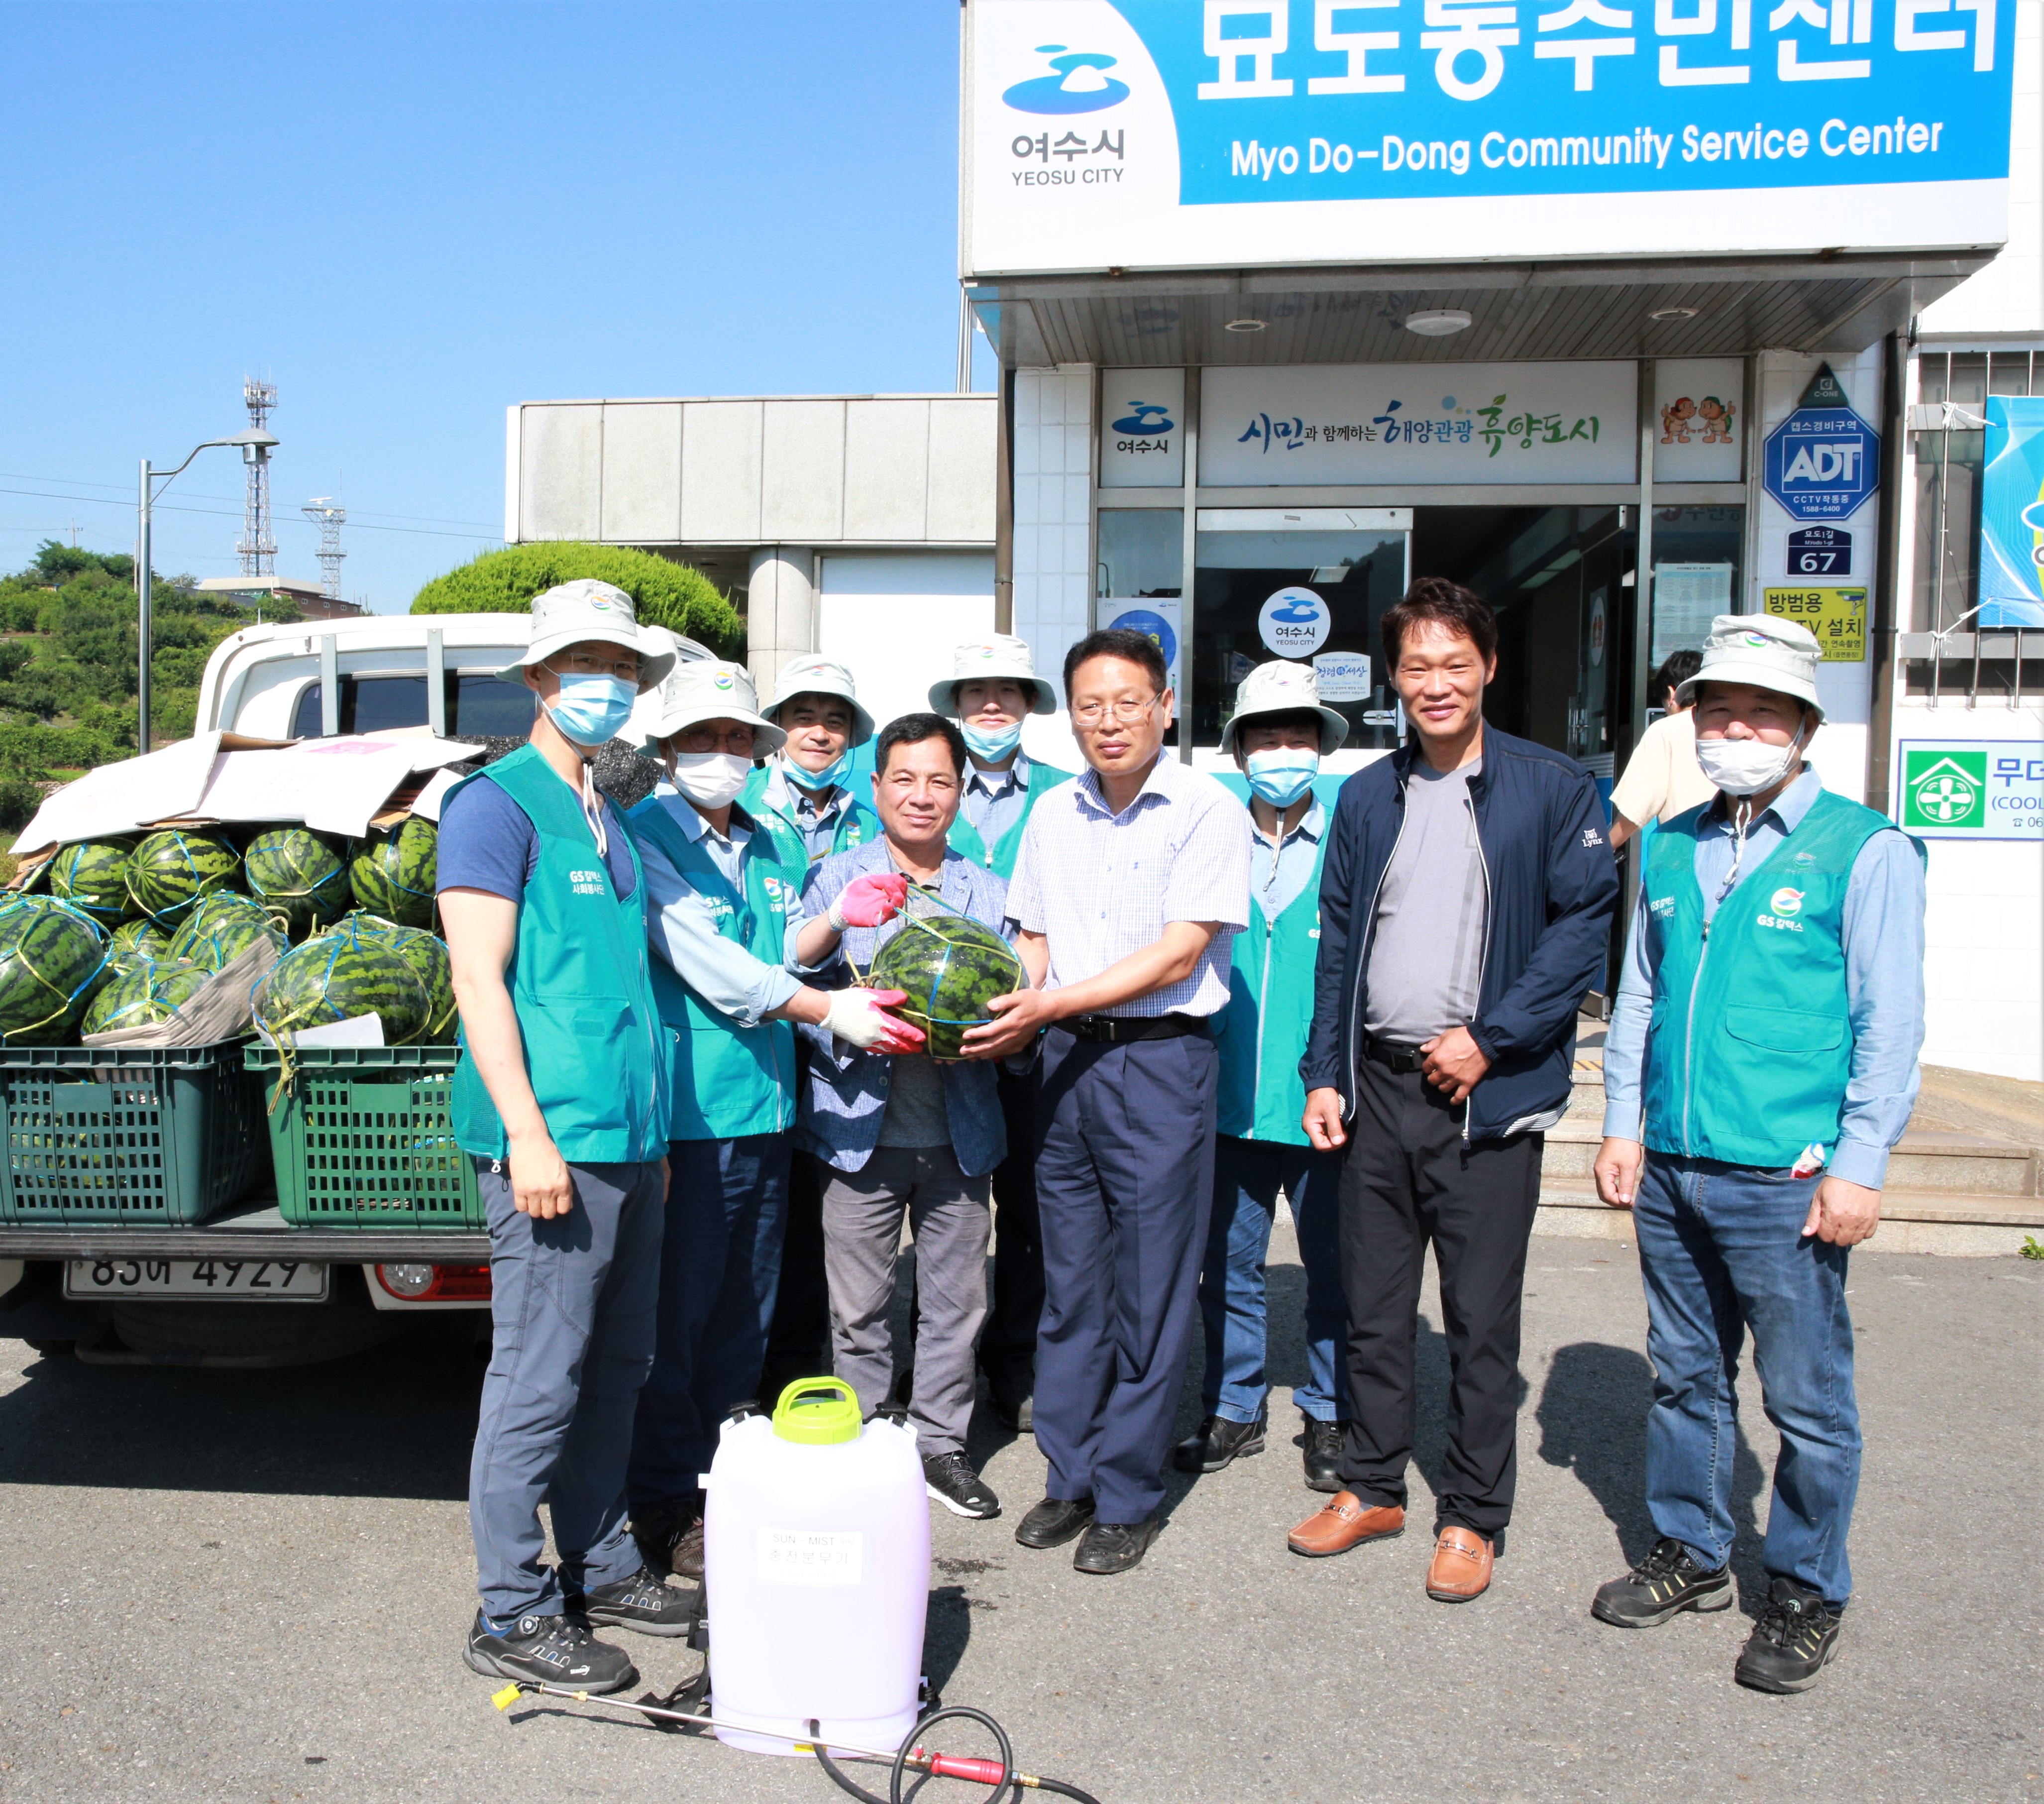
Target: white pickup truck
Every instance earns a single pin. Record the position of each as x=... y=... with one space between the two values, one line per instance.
x=244 y=1289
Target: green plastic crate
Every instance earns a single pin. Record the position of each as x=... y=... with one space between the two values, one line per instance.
x=363 y=1137
x=133 y=1135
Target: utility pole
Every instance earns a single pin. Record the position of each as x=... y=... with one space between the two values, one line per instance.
x=329 y=516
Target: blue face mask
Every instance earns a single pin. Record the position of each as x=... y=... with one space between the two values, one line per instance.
x=592 y=710
x=1281 y=775
x=820 y=782
x=992 y=743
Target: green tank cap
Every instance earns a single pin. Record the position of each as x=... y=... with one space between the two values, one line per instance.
x=817 y=1411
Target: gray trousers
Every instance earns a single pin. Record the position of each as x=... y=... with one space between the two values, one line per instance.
x=573 y=1312
x=948 y=1215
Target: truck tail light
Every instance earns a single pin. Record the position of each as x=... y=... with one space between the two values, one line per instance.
x=420 y=1284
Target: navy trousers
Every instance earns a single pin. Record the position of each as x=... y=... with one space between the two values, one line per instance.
x=719 y=1263
x=1124 y=1186
x=1008 y=1343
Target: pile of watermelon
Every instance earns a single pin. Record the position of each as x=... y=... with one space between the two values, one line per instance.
x=354 y=968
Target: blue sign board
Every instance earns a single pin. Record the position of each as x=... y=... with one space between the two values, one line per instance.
x=1823 y=461
x=2011 y=561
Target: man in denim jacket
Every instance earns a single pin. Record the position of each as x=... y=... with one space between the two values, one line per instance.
x=901 y=1134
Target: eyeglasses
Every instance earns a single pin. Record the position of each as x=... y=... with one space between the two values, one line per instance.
x=581 y=664
x=698 y=739
x=1093 y=713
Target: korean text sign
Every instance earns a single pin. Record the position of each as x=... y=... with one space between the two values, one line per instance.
x=1191 y=132
x=1960 y=789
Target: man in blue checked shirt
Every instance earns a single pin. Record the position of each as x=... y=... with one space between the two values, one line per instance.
x=1762 y=1061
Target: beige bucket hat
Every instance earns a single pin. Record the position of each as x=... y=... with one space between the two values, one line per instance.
x=705 y=690
x=1282 y=688
x=574 y=613
x=1763 y=650
x=813 y=674
x=1000 y=657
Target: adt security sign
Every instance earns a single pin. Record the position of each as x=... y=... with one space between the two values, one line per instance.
x=1823 y=461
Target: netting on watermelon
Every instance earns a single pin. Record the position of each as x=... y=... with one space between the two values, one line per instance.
x=216 y=936
x=137 y=940
x=51 y=957
x=298 y=877
x=338 y=975
x=429 y=957
x=392 y=872
x=143 y=995
x=92 y=874
x=170 y=870
x=950 y=966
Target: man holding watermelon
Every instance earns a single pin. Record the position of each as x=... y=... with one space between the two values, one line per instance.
x=993 y=687
x=563 y=1103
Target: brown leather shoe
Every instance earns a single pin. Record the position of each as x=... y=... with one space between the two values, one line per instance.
x=1343 y=1523
x=1461 y=1565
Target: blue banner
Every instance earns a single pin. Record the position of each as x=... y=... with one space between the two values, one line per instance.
x=2011 y=550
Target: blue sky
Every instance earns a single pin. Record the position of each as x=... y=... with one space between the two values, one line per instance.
x=409 y=217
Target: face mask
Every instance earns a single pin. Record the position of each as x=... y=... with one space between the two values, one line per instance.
x=592 y=710
x=1745 y=766
x=820 y=782
x=1282 y=775
x=711 y=779
x=992 y=743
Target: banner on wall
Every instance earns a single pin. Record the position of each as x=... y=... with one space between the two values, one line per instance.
x=1225 y=132
x=1972 y=789
x=1837 y=617
x=1142 y=428
x=2011 y=550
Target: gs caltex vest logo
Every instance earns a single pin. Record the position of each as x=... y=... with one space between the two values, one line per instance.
x=1786 y=902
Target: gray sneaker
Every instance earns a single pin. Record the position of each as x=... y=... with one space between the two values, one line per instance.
x=553 y=1650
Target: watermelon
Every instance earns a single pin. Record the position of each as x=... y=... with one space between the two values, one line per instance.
x=951 y=967
x=298 y=878
x=429 y=957
x=170 y=871
x=92 y=874
x=143 y=994
x=51 y=956
x=337 y=975
x=392 y=872
x=215 y=937
x=140 y=938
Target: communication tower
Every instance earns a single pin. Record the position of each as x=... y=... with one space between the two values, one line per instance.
x=329 y=516
x=257 y=545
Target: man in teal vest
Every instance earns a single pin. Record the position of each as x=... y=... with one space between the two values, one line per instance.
x=803 y=794
x=722 y=900
x=1762 y=1061
x=1278 y=735
x=562 y=1099
x=992 y=688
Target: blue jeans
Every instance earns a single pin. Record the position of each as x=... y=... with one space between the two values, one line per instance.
x=1721 y=1251
x=1248 y=1174
x=720 y=1267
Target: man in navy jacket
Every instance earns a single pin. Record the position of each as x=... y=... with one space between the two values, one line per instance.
x=1466 y=907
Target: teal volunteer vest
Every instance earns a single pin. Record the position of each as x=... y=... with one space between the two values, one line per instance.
x=856 y=826
x=724 y=1081
x=1750 y=1046
x=964 y=838
x=579 y=982
x=1270 y=1009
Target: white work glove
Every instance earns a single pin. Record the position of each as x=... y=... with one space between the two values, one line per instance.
x=858 y=1016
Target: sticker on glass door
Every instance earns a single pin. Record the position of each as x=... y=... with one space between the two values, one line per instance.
x=1295 y=623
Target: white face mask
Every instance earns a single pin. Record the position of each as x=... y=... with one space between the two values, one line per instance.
x=1745 y=766
x=710 y=779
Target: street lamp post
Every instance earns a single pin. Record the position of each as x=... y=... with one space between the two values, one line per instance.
x=255 y=446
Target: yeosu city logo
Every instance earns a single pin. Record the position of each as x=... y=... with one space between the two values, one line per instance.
x=1145 y=419
x=1078 y=86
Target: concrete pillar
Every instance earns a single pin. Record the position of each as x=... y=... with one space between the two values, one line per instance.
x=780 y=611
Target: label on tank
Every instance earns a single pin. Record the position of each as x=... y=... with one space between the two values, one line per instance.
x=807 y=1556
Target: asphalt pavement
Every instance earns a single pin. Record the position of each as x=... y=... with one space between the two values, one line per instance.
x=254 y=1586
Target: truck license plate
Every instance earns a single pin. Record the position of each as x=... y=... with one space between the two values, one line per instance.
x=227 y=1280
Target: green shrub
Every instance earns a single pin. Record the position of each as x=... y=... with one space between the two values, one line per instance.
x=19 y=800
x=667 y=594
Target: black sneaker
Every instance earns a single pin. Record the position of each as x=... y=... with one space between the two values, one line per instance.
x=1219 y=1443
x=670 y=1535
x=1054 y=1522
x=949 y=1478
x=1108 y=1547
x=555 y=1650
x=1667 y=1582
x=1323 y=1454
x=640 y=1603
x=1795 y=1637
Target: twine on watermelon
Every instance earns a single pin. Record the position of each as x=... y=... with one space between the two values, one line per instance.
x=65 y=1006
x=178 y=911
x=923 y=911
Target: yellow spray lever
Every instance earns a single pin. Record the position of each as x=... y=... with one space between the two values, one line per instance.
x=507 y=1697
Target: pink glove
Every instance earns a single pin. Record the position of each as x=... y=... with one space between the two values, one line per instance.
x=868 y=901
x=856 y=1016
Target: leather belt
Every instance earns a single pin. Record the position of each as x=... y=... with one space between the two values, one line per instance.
x=1119 y=1030
x=1393 y=1058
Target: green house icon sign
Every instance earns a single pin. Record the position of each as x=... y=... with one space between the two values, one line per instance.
x=1946 y=789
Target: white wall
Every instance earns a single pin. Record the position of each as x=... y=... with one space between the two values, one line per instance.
x=1054 y=444
x=894 y=618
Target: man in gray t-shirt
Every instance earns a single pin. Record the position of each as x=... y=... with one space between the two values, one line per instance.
x=1426 y=958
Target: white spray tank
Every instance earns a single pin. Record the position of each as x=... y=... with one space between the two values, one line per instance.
x=816 y=1571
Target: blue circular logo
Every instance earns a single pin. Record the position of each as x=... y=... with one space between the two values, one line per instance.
x=1146 y=418
x=1078 y=86
x=1151 y=626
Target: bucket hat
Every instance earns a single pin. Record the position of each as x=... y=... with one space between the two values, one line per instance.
x=574 y=613
x=1283 y=687
x=1001 y=657
x=705 y=690
x=814 y=675
x=1763 y=650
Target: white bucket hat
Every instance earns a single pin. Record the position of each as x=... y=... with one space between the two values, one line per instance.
x=1763 y=650
x=577 y=612
x=1000 y=658
x=1282 y=688
x=815 y=675
x=704 y=689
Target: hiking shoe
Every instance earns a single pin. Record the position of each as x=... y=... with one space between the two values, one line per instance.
x=1323 y=1454
x=669 y=1534
x=554 y=1650
x=1667 y=1582
x=949 y=1478
x=640 y=1603
x=1219 y=1443
x=1796 y=1636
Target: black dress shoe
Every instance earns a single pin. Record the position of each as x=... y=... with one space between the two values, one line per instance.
x=1055 y=1522
x=1219 y=1443
x=1114 y=1547
x=1324 y=1453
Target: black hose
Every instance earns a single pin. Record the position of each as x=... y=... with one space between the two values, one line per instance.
x=1063 y=1789
x=838 y=1777
x=962 y=1712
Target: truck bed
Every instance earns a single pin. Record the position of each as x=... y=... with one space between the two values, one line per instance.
x=252 y=1230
